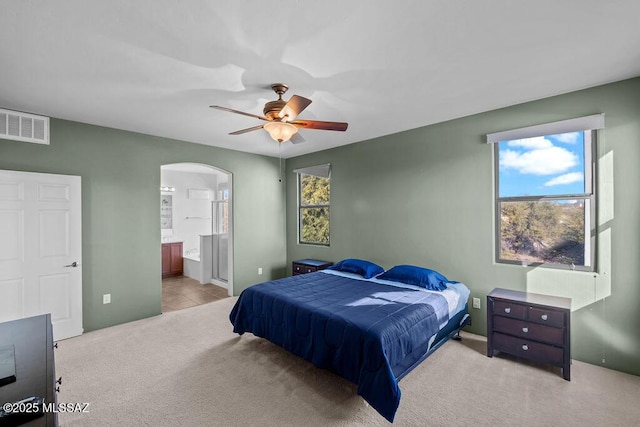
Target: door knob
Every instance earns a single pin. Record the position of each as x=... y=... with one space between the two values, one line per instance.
x=73 y=264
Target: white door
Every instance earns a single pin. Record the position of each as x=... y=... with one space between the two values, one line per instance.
x=41 y=249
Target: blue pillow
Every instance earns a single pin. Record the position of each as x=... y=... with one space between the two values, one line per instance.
x=412 y=275
x=364 y=268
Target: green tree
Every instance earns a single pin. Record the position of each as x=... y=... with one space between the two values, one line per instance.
x=542 y=231
x=314 y=209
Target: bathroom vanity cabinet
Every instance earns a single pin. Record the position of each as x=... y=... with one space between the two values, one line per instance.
x=171 y=259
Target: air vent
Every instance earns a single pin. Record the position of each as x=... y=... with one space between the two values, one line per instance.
x=24 y=127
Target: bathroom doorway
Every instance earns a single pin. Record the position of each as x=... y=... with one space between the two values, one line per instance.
x=196 y=222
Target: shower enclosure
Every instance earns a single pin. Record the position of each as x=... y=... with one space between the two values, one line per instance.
x=220 y=240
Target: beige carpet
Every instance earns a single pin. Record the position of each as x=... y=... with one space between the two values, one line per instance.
x=187 y=368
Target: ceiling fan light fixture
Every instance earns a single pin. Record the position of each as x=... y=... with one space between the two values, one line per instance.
x=280 y=116
x=280 y=131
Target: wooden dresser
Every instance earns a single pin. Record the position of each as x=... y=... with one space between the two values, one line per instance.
x=303 y=266
x=31 y=342
x=532 y=326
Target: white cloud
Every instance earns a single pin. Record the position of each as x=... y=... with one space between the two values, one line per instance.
x=537 y=143
x=567 y=178
x=549 y=160
x=568 y=138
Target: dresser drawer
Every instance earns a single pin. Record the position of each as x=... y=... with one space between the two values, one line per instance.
x=529 y=330
x=546 y=317
x=302 y=269
x=528 y=349
x=540 y=315
x=510 y=309
x=304 y=266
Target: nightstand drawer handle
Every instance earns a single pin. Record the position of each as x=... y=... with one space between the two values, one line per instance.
x=525 y=330
x=525 y=347
x=507 y=310
x=544 y=317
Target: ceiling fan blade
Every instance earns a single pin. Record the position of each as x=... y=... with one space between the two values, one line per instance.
x=316 y=124
x=241 y=131
x=297 y=138
x=237 y=112
x=294 y=106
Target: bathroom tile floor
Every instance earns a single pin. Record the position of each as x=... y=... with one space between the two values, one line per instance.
x=183 y=292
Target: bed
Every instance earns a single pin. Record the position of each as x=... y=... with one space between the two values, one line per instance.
x=369 y=330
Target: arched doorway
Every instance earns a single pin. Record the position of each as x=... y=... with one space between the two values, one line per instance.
x=197 y=225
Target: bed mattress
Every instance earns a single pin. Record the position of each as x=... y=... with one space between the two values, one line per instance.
x=360 y=329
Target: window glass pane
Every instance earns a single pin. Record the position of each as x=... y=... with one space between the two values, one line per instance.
x=314 y=190
x=314 y=225
x=544 y=231
x=545 y=165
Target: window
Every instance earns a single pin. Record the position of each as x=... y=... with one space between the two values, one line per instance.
x=545 y=196
x=313 y=204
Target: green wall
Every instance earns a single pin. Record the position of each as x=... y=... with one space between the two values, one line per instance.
x=426 y=197
x=121 y=211
x=423 y=196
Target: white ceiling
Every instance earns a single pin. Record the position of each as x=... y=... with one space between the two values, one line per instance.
x=154 y=66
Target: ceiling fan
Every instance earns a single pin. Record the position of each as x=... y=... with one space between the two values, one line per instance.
x=280 y=116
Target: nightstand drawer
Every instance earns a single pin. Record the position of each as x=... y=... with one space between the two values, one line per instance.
x=528 y=349
x=546 y=317
x=529 y=330
x=510 y=309
x=302 y=269
x=304 y=266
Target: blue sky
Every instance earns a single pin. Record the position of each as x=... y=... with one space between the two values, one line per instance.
x=543 y=165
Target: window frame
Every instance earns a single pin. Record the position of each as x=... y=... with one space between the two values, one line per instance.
x=302 y=207
x=589 y=196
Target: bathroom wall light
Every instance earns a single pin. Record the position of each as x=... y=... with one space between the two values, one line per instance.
x=163 y=188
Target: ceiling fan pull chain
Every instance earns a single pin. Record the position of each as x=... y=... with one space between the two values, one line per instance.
x=280 y=157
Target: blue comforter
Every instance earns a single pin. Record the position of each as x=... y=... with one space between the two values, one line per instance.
x=364 y=331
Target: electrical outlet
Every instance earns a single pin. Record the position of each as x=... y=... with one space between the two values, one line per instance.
x=106 y=299
x=476 y=303
x=259 y=271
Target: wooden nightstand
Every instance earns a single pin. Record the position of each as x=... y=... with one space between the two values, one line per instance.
x=532 y=326
x=303 y=266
